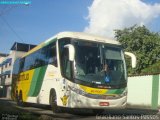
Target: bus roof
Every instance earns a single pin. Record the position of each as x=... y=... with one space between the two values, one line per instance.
x=76 y=35
x=86 y=36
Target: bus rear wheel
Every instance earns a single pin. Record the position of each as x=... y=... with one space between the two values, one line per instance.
x=53 y=102
x=20 y=99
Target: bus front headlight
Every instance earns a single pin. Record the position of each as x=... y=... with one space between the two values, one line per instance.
x=124 y=93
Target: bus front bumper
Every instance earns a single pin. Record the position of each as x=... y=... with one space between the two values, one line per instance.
x=80 y=101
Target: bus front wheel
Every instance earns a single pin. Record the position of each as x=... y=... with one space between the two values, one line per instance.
x=53 y=102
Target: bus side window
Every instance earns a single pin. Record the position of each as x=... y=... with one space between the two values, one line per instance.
x=52 y=54
x=21 y=68
x=16 y=66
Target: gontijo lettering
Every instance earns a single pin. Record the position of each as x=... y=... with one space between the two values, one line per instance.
x=24 y=77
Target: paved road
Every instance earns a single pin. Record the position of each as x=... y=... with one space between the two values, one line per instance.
x=8 y=107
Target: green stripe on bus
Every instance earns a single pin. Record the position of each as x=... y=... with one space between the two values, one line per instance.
x=155 y=90
x=33 y=82
x=40 y=80
x=36 y=82
x=116 y=91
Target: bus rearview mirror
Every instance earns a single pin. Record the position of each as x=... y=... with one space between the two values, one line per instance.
x=133 y=58
x=71 y=51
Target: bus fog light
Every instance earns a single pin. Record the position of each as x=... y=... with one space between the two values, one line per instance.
x=124 y=94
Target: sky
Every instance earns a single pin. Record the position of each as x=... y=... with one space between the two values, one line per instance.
x=43 y=19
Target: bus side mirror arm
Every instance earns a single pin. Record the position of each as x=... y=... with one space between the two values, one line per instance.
x=71 y=51
x=133 y=58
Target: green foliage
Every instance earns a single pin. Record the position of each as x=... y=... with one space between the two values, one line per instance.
x=143 y=43
x=153 y=69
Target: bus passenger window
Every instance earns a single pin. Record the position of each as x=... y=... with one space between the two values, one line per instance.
x=21 y=68
x=52 y=55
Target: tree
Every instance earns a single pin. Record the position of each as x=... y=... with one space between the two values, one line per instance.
x=143 y=43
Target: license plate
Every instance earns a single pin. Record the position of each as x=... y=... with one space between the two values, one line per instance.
x=103 y=103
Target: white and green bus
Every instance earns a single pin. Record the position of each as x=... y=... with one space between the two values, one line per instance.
x=73 y=70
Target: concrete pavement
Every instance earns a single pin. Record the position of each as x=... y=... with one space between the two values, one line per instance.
x=8 y=107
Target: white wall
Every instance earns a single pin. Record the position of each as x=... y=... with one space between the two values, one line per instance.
x=140 y=90
x=14 y=55
x=8 y=68
x=1 y=60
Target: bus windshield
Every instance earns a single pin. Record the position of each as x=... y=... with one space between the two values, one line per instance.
x=99 y=63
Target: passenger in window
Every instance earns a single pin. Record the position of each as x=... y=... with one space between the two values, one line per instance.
x=105 y=68
x=106 y=72
x=10 y=63
x=90 y=63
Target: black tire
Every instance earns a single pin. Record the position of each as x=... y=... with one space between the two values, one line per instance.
x=53 y=102
x=16 y=97
x=20 y=99
x=98 y=111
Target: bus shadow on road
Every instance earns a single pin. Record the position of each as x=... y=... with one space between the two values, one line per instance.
x=131 y=111
x=41 y=111
x=88 y=114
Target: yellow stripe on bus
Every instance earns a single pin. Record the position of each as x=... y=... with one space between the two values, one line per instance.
x=93 y=90
x=34 y=49
x=25 y=82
